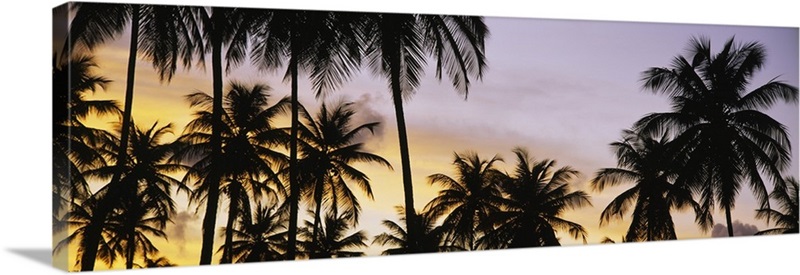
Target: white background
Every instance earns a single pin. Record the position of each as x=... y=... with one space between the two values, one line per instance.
x=25 y=234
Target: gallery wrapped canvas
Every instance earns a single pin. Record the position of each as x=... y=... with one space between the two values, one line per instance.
x=197 y=135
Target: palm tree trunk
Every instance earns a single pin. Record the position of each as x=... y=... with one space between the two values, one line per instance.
x=317 y=221
x=294 y=187
x=131 y=250
x=233 y=209
x=104 y=206
x=408 y=189
x=210 y=219
x=90 y=243
x=728 y=217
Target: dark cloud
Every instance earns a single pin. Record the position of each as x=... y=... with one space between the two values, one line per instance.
x=367 y=113
x=739 y=229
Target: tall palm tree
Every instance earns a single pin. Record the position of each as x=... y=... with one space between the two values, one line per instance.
x=652 y=166
x=332 y=241
x=537 y=195
x=466 y=200
x=729 y=140
x=324 y=44
x=220 y=28
x=163 y=34
x=247 y=141
x=396 y=48
x=329 y=147
x=431 y=240
x=787 y=219
x=262 y=236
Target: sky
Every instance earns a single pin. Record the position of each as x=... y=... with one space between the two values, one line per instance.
x=564 y=89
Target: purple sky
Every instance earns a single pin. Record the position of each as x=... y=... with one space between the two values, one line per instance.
x=566 y=88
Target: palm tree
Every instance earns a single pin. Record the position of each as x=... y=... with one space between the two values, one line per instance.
x=729 y=140
x=144 y=202
x=219 y=28
x=72 y=79
x=332 y=241
x=652 y=166
x=247 y=139
x=80 y=217
x=261 y=237
x=329 y=148
x=469 y=198
x=145 y=205
x=396 y=46
x=132 y=224
x=431 y=240
x=537 y=195
x=163 y=34
x=324 y=44
x=787 y=220
x=75 y=145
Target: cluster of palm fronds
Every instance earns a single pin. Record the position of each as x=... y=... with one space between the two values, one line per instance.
x=698 y=155
x=226 y=153
x=484 y=208
x=128 y=212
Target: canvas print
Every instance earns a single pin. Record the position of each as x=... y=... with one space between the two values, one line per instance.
x=191 y=135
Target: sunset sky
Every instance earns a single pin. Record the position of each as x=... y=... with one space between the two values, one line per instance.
x=564 y=89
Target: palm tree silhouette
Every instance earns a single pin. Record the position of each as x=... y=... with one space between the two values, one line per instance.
x=72 y=79
x=537 y=195
x=787 y=220
x=331 y=241
x=262 y=236
x=431 y=240
x=652 y=166
x=132 y=224
x=80 y=217
x=159 y=33
x=324 y=44
x=145 y=204
x=247 y=141
x=466 y=200
x=729 y=140
x=74 y=144
x=329 y=147
x=396 y=47
x=220 y=28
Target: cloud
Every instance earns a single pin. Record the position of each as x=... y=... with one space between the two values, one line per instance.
x=184 y=222
x=367 y=113
x=739 y=229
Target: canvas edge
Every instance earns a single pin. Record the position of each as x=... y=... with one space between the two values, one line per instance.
x=60 y=33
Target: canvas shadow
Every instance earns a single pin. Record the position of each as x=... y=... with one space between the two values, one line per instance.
x=39 y=255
